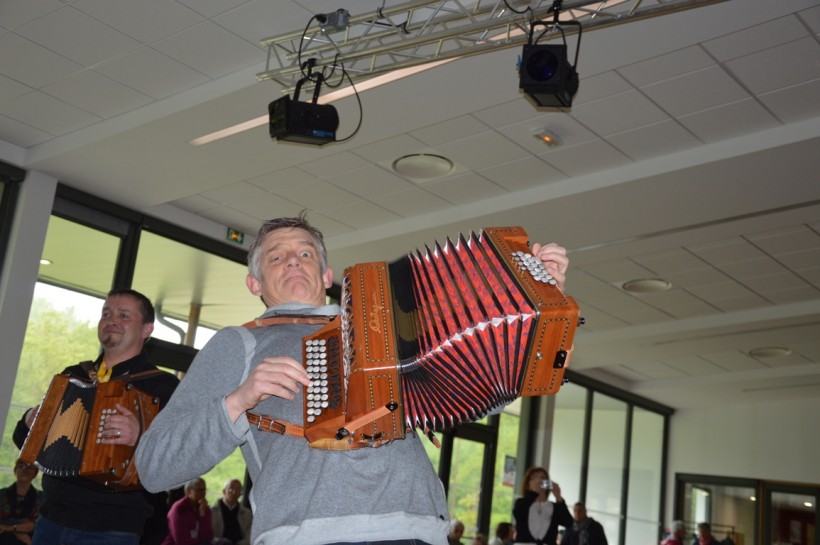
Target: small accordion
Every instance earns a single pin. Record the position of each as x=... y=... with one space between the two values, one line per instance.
x=435 y=339
x=65 y=438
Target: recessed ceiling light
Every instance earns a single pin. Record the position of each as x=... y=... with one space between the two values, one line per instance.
x=422 y=166
x=647 y=285
x=770 y=352
x=45 y=261
x=548 y=137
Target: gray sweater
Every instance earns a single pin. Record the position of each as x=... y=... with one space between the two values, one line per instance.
x=300 y=495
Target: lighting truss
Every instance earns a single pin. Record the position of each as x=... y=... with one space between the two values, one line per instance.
x=416 y=33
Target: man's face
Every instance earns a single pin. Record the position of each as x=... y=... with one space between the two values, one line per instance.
x=120 y=326
x=579 y=513
x=291 y=270
x=232 y=492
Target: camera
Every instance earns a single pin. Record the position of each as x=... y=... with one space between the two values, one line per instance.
x=546 y=484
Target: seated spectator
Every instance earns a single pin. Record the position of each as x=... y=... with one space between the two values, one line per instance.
x=479 y=539
x=678 y=533
x=584 y=530
x=705 y=536
x=230 y=519
x=19 y=506
x=189 y=519
x=504 y=534
x=456 y=531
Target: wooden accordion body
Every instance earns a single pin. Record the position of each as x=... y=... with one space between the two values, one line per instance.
x=436 y=339
x=64 y=440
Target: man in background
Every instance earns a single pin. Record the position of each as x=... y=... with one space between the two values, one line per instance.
x=75 y=509
x=584 y=530
x=231 y=520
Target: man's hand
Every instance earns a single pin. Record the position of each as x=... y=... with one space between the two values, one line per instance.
x=31 y=414
x=554 y=258
x=278 y=376
x=121 y=428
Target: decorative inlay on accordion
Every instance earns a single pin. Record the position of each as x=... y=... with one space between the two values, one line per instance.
x=64 y=440
x=435 y=339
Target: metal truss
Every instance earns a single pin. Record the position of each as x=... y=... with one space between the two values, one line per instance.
x=416 y=33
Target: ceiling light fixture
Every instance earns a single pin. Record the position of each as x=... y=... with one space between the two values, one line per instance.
x=45 y=261
x=422 y=166
x=548 y=137
x=770 y=352
x=647 y=285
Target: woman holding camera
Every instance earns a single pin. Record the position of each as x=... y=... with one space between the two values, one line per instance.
x=536 y=518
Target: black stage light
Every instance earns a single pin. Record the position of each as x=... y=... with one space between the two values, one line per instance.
x=546 y=76
x=303 y=122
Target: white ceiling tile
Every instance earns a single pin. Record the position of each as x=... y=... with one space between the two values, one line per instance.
x=732 y=360
x=267 y=207
x=47 y=113
x=802 y=260
x=318 y=195
x=743 y=270
x=671 y=261
x=694 y=278
x=211 y=8
x=15 y=14
x=799 y=294
x=795 y=103
x=785 y=241
x=464 y=188
x=584 y=158
x=506 y=113
x=32 y=64
x=231 y=217
x=328 y=227
x=718 y=291
x=450 y=130
x=618 y=113
x=680 y=304
x=333 y=165
x=139 y=19
x=726 y=251
x=734 y=304
x=370 y=181
x=258 y=19
x=390 y=149
x=210 y=49
x=282 y=179
x=411 y=202
x=97 y=94
x=729 y=120
x=666 y=66
x=786 y=65
x=757 y=38
x=693 y=366
x=770 y=283
x=482 y=150
x=361 y=215
x=617 y=271
x=152 y=73
x=601 y=86
x=24 y=135
x=811 y=17
x=195 y=203
x=67 y=31
x=522 y=174
x=655 y=370
x=700 y=90
x=11 y=89
x=653 y=140
x=233 y=193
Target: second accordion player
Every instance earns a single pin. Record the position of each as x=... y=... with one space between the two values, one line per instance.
x=435 y=339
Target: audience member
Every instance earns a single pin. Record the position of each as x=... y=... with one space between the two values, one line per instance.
x=19 y=506
x=479 y=539
x=304 y=495
x=456 y=531
x=584 y=530
x=231 y=520
x=677 y=533
x=77 y=506
x=189 y=519
x=504 y=534
x=536 y=518
x=705 y=536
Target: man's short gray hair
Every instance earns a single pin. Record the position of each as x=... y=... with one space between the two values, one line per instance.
x=270 y=226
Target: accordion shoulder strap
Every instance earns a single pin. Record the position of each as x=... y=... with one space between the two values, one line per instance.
x=288 y=319
x=268 y=423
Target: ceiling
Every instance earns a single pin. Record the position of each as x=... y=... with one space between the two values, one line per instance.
x=691 y=153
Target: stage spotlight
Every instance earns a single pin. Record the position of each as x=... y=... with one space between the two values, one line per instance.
x=546 y=76
x=303 y=122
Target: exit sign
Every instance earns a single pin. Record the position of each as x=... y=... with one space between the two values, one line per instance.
x=235 y=236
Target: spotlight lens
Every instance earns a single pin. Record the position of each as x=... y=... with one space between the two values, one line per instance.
x=542 y=65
